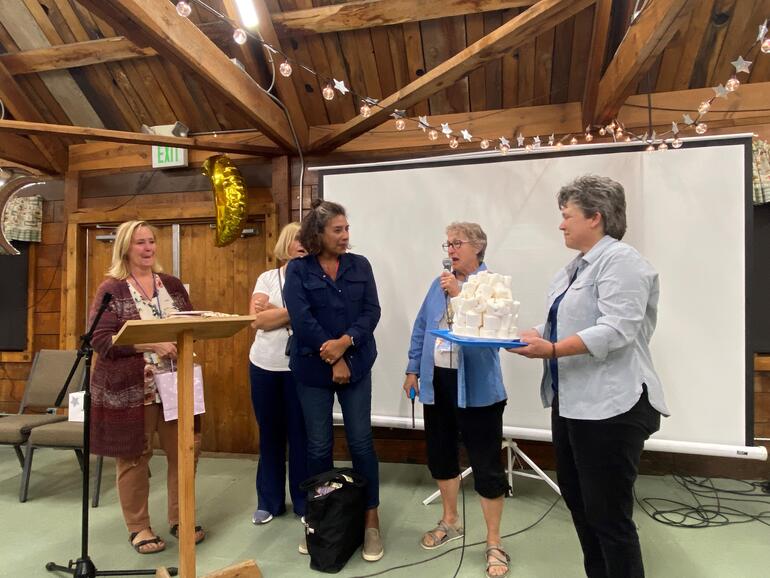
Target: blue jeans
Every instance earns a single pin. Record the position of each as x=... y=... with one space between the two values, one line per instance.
x=356 y=401
x=279 y=415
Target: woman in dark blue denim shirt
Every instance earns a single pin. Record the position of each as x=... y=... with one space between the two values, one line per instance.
x=332 y=301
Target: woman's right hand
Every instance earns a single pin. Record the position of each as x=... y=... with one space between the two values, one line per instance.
x=165 y=349
x=411 y=382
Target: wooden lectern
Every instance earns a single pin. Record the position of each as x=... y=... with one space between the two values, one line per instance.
x=184 y=331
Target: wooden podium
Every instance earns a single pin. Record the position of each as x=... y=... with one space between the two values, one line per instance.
x=184 y=331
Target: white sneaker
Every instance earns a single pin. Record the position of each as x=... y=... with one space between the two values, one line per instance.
x=302 y=548
x=261 y=517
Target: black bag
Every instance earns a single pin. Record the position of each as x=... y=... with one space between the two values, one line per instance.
x=334 y=517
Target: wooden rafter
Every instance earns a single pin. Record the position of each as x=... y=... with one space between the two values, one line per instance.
x=18 y=104
x=73 y=55
x=371 y=13
x=156 y=24
x=198 y=143
x=524 y=28
x=645 y=40
x=599 y=37
x=20 y=150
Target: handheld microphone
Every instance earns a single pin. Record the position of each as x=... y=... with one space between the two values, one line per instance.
x=412 y=394
x=447 y=263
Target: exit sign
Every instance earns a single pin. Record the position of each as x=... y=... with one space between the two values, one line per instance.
x=168 y=157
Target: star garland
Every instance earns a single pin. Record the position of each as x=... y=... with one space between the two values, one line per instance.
x=614 y=130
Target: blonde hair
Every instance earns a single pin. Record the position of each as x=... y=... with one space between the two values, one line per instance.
x=288 y=235
x=123 y=235
x=475 y=234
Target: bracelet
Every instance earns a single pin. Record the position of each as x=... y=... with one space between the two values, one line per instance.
x=553 y=350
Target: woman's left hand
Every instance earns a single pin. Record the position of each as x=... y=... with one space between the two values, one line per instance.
x=341 y=372
x=333 y=349
x=537 y=348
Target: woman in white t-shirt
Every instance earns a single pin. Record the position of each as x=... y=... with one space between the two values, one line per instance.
x=273 y=392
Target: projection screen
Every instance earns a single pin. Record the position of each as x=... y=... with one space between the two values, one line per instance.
x=689 y=214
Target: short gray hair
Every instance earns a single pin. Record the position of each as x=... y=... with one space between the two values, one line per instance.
x=475 y=234
x=595 y=194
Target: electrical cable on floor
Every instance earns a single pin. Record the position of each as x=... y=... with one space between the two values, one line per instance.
x=450 y=550
x=465 y=529
x=709 y=509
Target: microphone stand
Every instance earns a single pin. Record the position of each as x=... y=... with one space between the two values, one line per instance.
x=83 y=567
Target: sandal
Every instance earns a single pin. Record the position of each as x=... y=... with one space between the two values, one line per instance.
x=200 y=535
x=500 y=559
x=139 y=545
x=450 y=533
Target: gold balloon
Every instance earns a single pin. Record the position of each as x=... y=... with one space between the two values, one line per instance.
x=230 y=198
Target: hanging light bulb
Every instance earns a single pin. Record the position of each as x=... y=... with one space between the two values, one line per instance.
x=704 y=107
x=432 y=134
x=628 y=139
x=365 y=109
x=619 y=133
x=183 y=8
x=400 y=124
x=676 y=143
x=239 y=35
x=453 y=143
x=573 y=141
x=328 y=92
x=732 y=84
x=504 y=148
x=662 y=146
x=766 y=45
x=285 y=68
x=602 y=131
x=559 y=145
x=650 y=148
x=484 y=144
x=589 y=137
x=701 y=127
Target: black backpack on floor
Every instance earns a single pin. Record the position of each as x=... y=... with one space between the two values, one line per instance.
x=334 y=517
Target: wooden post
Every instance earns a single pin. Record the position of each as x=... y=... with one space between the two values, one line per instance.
x=281 y=189
x=186 y=455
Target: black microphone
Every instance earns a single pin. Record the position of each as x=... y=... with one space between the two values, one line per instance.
x=106 y=298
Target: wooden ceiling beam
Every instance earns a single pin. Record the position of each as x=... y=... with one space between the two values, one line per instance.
x=371 y=13
x=645 y=40
x=518 y=31
x=214 y=144
x=22 y=151
x=156 y=24
x=599 y=38
x=17 y=102
x=73 y=55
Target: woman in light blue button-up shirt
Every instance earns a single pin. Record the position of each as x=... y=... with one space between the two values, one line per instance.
x=462 y=392
x=598 y=378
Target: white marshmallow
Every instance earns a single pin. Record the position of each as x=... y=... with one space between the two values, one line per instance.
x=491 y=322
x=487 y=333
x=473 y=319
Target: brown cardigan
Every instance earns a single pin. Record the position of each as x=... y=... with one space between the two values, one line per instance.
x=117 y=380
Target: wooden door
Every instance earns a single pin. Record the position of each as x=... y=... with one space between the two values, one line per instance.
x=222 y=279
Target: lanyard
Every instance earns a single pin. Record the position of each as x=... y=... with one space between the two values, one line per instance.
x=156 y=293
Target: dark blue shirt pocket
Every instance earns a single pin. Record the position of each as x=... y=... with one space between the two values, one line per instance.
x=317 y=292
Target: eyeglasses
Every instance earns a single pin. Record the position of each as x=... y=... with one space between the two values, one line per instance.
x=454 y=244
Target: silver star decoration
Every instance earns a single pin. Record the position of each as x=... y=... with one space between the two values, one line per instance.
x=520 y=140
x=688 y=119
x=741 y=65
x=75 y=401
x=674 y=128
x=504 y=141
x=466 y=135
x=340 y=85
x=551 y=140
x=720 y=91
x=536 y=142
x=423 y=123
x=398 y=113
x=654 y=136
x=445 y=129
x=762 y=31
x=646 y=137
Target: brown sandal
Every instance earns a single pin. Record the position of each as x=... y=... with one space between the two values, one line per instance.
x=500 y=559
x=200 y=535
x=139 y=545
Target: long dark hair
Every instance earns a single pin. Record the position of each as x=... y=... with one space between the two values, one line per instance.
x=314 y=223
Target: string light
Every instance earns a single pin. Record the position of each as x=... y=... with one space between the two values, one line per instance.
x=704 y=107
x=650 y=148
x=732 y=84
x=432 y=134
x=365 y=110
x=662 y=146
x=484 y=144
x=400 y=124
x=328 y=92
x=765 y=46
x=239 y=36
x=573 y=141
x=183 y=8
x=285 y=68
x=701 y=127
x=453 y=142
x=602 y=131
x=504 y=148
x=676 y=143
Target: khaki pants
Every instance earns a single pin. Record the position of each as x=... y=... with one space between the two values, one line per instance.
x=133 y=474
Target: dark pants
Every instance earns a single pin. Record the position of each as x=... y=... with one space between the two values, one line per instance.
x=482 y=433
x=597 y=462
x=279 y=415
x=356 y=402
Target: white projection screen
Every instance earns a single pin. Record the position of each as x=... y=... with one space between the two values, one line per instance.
x=689 y=214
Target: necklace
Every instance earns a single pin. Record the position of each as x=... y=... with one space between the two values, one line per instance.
x=141 y=289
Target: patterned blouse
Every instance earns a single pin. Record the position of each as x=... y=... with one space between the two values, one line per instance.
x=158 y=307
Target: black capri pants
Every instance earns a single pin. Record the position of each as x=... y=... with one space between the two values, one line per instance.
x=481 y=429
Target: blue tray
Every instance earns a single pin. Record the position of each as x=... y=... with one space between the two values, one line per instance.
x=477 y=341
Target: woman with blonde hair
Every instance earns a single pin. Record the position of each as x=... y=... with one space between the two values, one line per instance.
x=273 y=391
x=126 y=410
